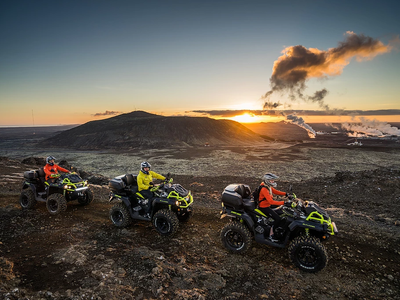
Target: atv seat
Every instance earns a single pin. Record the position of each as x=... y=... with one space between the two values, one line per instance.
x=130 y=179
x=130 y=182
x=249 y=204
x=41 y=179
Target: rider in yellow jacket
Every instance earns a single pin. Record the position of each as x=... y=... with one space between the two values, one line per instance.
x=145 y=177
x=145 y=182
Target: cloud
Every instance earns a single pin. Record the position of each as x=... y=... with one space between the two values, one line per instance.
x=271 y=105
x=336 y=112
x=107 y=113
x=298 y=64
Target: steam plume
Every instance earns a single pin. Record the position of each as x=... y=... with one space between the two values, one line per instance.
x=293 y=119
x=369 y=127
x=298 y=64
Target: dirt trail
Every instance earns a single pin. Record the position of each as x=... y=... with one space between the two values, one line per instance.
x=81 y=255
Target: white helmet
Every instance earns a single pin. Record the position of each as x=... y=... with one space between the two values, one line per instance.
x=143 y=165
x=50 y=160
x=269 y=179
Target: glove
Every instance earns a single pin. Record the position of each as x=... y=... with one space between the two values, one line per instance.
x=151 y=184
x=290 y=196
x=288 y=203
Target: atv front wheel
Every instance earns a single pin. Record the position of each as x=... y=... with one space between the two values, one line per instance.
x=236 y=237
x=119 y=215
x=166 y=222
x=308 y=254
x=27 y=199
x=56 y=203
x=185 y=216
x=87 y=197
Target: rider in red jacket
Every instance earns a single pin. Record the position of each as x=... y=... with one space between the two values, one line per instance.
x=51 y=168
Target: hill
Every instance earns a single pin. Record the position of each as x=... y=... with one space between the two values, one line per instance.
x=140 y=129
x=280 y=131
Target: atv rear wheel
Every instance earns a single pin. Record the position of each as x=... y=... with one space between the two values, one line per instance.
x=308 y=254
x=87 y=198
x=236 y=237
x=56 y=203
x=166 y=222
x=120 y=216
x=27 y=199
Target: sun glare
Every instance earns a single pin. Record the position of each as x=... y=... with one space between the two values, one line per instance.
x=246 y=118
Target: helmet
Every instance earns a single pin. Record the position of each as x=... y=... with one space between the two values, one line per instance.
x=269 y=179
x=143 y=165
x=48 y=159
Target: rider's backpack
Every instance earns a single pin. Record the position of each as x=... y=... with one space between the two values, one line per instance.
x=256 y=193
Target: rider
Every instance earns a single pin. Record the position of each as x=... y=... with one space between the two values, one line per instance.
x=266 y=200
x=51 y=169
x=145 y=182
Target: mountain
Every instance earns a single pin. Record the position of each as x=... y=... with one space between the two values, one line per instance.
x=140 y=129
x=280 y=131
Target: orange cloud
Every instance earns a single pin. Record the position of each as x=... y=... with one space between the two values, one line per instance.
x=298 y=64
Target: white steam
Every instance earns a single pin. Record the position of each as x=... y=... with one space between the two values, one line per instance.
x=368 y=128
x=293 y=119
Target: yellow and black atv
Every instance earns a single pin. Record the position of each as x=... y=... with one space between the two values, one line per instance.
x=65 y=188
x=170 y=205
x=304 y=227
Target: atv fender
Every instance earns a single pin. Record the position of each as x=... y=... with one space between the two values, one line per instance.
x=33 y=188
x=164 y=201
x=309 y=225
x=26 y=185
x=249 y=221
x=127 y=203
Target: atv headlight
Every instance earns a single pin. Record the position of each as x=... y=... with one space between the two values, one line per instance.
x=66 y=187
x=177 y=203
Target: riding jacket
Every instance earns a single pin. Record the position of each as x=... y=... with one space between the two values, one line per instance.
x=143 y=180
x=265 y=198
x=49 y=170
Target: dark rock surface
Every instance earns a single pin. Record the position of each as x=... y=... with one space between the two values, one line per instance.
x=81 y=255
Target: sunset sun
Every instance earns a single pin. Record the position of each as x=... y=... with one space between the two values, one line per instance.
x=246 y=118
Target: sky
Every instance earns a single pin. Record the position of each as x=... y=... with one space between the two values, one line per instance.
x=69 y=62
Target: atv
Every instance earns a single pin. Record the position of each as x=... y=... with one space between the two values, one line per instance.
x=171 y=203
x=304 y=227
x=65 y=188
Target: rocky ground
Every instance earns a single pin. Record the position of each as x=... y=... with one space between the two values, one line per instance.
x=80 y=254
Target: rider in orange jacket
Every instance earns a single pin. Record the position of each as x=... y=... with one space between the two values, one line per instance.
x=265 y=200
x=51 y=168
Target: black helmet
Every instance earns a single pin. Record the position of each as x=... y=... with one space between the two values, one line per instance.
x=269 y=179
x=143 y=165
x=49 y=158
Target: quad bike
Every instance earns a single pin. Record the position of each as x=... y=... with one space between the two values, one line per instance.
x=171 y=204
x=303 y=227
x=65 y=188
